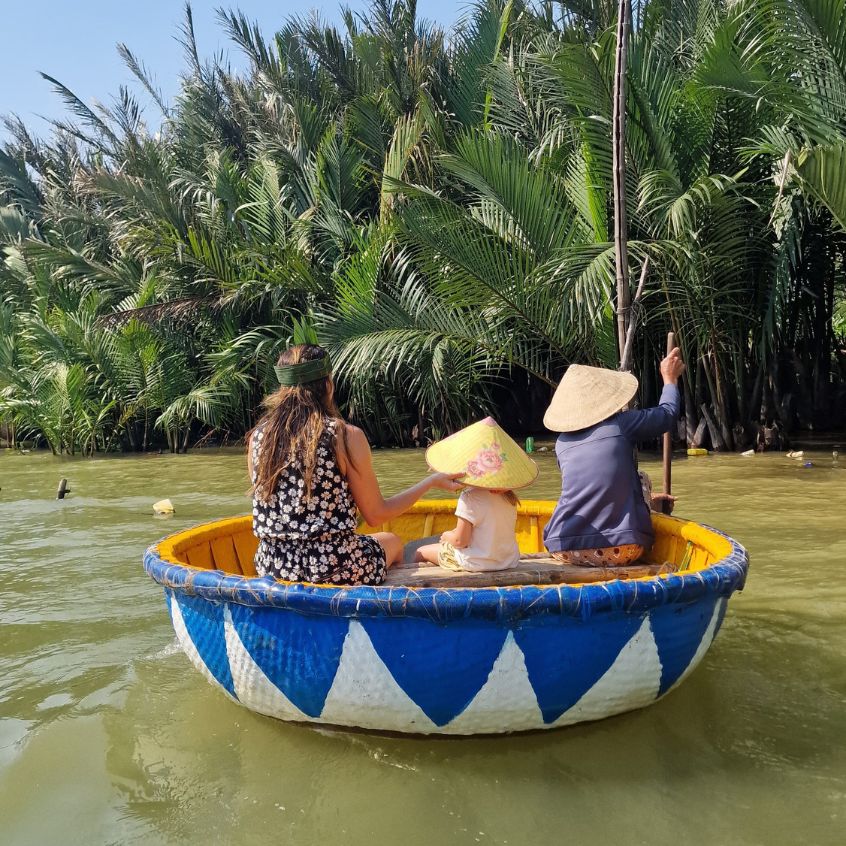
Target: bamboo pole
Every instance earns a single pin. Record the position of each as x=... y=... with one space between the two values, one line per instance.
x=618 y=148
x=668 y=444
x=628 y=347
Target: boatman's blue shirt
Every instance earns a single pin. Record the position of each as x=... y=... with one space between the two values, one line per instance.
x=601 y=502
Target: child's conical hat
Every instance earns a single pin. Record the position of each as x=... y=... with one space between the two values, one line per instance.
x=486 y=455
x=587 y=396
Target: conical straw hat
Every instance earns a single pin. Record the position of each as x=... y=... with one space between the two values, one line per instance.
x=587 y=396
x=487 y=456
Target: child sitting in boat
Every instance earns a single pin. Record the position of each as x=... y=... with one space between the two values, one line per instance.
x=493 y=466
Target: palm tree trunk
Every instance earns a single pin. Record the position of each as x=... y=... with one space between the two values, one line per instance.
x=690 y=420
x=714 y=426
x=721 y=402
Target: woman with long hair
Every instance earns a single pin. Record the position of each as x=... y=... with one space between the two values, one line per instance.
x=311 y=472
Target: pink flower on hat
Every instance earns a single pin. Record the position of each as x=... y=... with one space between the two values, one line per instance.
x=490 y=459
x=474 y=470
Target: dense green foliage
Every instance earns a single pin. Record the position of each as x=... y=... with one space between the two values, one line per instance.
x=436 y=207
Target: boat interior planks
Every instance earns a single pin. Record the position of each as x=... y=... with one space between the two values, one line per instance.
x=531 y=571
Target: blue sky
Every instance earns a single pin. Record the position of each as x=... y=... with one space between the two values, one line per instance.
x=75 y=43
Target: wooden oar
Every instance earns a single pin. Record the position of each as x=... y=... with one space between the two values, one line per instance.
x=666 y=504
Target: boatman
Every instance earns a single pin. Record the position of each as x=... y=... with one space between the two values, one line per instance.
x=602 y=518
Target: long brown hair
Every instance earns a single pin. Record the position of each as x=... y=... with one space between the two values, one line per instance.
x=293 y=425
x=508 y=495
x=512 y=497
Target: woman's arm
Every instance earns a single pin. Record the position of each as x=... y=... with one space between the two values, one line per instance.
x=356 y=463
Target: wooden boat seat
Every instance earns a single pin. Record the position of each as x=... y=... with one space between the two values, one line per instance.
x=538 y=569
x=530 y=571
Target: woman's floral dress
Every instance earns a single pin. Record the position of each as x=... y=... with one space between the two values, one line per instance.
x=313 y=539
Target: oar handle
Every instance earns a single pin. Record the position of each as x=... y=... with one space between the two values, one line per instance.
x=668 y=443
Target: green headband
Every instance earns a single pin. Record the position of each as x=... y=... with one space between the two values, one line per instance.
x=307 y=371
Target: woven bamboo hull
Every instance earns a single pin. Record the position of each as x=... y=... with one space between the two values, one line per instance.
x=434 y=661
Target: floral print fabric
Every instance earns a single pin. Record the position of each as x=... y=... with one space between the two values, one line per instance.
x=313 y=539
x=447 y=558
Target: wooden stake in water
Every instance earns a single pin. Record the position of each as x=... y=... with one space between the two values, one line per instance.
x=666 y=505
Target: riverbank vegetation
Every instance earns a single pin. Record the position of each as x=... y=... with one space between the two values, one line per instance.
x=436 y=207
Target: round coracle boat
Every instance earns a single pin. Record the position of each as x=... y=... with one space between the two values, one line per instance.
x=436 y=652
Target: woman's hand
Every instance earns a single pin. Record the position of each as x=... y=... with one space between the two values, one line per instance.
x=448 y=537
x=672 y=367
x=446 y=481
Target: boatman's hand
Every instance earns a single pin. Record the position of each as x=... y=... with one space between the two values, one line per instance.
x=446 y=481
x=658 y=500
x=672 y=367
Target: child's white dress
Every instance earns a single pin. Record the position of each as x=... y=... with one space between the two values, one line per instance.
x=493 y=545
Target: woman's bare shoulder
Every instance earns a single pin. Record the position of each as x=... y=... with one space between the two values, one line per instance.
x=355 y=431
x=354 y=436
x=350 y=445
x=359 y=445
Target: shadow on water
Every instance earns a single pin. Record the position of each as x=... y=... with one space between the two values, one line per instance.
x=107 y=735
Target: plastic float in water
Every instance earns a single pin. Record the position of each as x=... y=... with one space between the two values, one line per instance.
x=427 y=654
x=163 y=507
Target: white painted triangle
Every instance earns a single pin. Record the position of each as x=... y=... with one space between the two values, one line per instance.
x=188 y=645
x=252 y=686
x=632 y=681
x=704 y=644
x=365 y=694
x=506 y=701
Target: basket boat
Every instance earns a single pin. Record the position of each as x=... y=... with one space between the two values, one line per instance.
x=441 y=653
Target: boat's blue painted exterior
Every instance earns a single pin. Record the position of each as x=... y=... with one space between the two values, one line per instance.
x=454 y=661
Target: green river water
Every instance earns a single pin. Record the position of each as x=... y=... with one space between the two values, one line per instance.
x=109 y=736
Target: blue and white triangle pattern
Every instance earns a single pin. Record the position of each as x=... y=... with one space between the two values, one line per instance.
x=198 y=624
x=412 y=675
